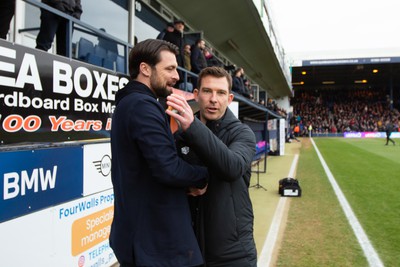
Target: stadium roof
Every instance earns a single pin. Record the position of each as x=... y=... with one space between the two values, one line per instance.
x=235 y=29
x=347 y=73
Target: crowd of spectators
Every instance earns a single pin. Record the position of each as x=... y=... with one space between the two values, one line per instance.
x=326 y=110
x=196 y=56
x=343 y=110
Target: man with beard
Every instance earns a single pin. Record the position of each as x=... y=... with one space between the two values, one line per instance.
x=152 y=224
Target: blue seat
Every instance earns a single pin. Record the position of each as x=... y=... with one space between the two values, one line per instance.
x=188 y=88
x=108 y=45
x=108 y=64
x=110 y=61
x=120 y=64
x=100 y=51
x=84 y=48
x=95 y=60
x=112 y=55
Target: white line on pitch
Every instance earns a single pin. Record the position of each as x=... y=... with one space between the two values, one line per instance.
x=369 y=251
x=270 y=241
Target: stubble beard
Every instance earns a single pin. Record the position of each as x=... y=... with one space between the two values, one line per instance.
x=159 y=89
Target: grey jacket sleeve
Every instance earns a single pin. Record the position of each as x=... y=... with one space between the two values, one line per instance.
x=230 y=160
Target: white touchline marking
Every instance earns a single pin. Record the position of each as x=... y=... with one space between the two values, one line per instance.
x=369 y=251
x=270 y=240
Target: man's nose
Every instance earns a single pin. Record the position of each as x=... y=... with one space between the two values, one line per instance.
x=175 y=75
x=213 y=97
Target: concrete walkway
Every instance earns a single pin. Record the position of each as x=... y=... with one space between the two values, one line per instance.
x=265 y=202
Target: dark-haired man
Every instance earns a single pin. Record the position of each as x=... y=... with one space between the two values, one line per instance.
x=177 y=38
x=214 y=137
x=152 y=224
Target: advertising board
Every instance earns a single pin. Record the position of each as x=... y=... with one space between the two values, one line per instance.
x=56 y=207
x=45 y=97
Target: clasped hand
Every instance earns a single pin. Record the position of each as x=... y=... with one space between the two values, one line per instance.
x=183 y=112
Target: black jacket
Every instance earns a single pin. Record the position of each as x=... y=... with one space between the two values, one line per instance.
x=197 y=59
x=177 y=38
x=152 y=223
x=70 y=7
x=227 y=148
x=238 y=85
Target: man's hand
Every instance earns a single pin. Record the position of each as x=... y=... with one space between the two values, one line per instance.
x=194 y=192
x=183 y=112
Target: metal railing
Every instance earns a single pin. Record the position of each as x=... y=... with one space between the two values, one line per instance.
x=83 y=27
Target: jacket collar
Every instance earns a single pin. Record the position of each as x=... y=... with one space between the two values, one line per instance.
x=133 y=87
x=225 y=120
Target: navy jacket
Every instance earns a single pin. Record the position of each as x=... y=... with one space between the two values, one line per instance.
x=152 y=224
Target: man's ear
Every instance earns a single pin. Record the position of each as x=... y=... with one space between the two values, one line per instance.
x=230 y=98
x=145 y=69
x=196 y=94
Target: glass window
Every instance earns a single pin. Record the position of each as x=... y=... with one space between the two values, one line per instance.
x=106 y=14
x=148 y=23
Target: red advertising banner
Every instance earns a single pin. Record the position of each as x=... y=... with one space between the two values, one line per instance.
x=49 y=98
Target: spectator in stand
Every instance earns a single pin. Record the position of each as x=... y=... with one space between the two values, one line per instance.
x=53 y=25
x=237 y=81
x=7 y=10
x=296 y=130
x=186 y=57
x=292 y=135
x=177 y=38
x=333 y=128
x=168 y=28
x=211 y=59
x=345 y=109
x=188 y=66
x=247 y=88
x=197 y=57
x=230 y=68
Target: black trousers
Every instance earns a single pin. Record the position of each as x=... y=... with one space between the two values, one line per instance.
x=7 y=9
x=389 y=139
x=52 y=25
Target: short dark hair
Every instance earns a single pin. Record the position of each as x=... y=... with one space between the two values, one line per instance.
x=199 y=41
x=217 y=72
x=237 y=70
x=179 y=21
x=148 y=51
